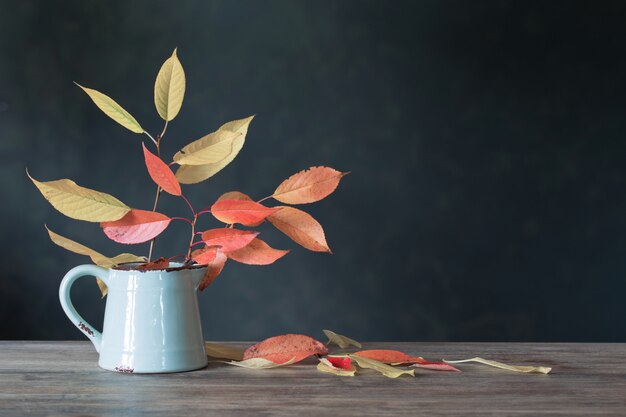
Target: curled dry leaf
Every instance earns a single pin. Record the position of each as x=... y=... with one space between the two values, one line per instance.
x=308 y=186
x=240 y=211
x=79 y=202
x=514 y=368
x=96 y=257
x=396 y=357
x=340 y=340
x=211 y=148
x=260 y=363
x=383 y=368
x=215 y=350
x=160 y=173
x=191 y=174
x=257 y=253
x=137 y=226
x=228 y=239
x=301 y=227
x=169 y=88
x=326 y=365
x=214 y=268
x=113 y=110
x=204 y=256
x=281 y=349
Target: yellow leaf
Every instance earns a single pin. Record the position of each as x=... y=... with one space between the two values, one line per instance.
x=169 y=88
x=211 y=148
x=113 y=110
x=326 y=366
x=259 y=363
x=514 y=368
x=341 y=340
x=383 y=368
x=216 y=350
x=192 y=174
x=96 y=257
x=81 y=203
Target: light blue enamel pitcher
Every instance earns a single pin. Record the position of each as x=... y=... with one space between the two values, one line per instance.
x=151 y=320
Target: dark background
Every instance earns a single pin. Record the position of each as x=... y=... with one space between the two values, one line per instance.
x=486 y=140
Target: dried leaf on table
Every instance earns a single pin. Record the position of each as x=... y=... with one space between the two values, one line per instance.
x=260 y=363
x=514 y=368
x=326 y=365
x=383 y=368
x=340 y=340
x=280 y=349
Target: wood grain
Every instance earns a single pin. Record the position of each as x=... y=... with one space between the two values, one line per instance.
x=63 y=379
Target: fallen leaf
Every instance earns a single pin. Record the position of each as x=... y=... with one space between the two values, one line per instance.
x=435 y=366
x=214 y=268
x=211 y=148
x=383 y=368
x=191 y=174
x=343 y=363
x=228 y=239
x=113 y=110
x=160 y=173
x=308 y=186
x=156 y=265
x=257 y=252
x=204 y=256
x=137 y=226
x=341 y=340
x=327 y=366
x=169 y=88
x=259 y=363
x=96 y=257
x=216 y=350
x=281 y=349
x=79 y=202
x=514 y=368
x=240 y=211
x=396 y=357
x=301 y=227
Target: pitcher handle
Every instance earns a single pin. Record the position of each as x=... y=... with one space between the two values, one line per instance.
x=64 y=295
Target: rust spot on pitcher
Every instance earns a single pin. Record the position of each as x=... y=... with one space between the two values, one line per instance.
x=86 y=329
x=124 y=369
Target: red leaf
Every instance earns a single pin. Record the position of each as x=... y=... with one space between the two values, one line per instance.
x=341 y=363
x=240 y=211
x=301 y=227
x=214 y=268
x=234 y=195
x=280 y=349
x=137 y=226
x=257 y=253
x=308 y=186
x=395 y=356
x=160 y=173
x=204 y=256
x=228 y=239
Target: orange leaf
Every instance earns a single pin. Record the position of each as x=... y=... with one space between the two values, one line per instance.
x=228 y=239
x=214 y=268
x=257 y=252
x=397 y=357
x=308 y=186
x=240 y=211
x=161 y=263
x=160 y=173
x=300 y=227
x=137 y=226
x=280 y=349
x=234 y=195
x=204 y=256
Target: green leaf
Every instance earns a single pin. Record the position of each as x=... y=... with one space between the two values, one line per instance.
x=211 y=148
x=169 y=88
x=113 y=110
x=81 y=203
x=192 y=174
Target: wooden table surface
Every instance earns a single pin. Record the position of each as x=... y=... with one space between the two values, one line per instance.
x=63 y=379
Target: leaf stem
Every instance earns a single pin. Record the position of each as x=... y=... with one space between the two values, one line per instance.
x=181 y=218
x=164 y=129
x=150 y=136
x=189 y=204
x=266 y=198
x=203 y=211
